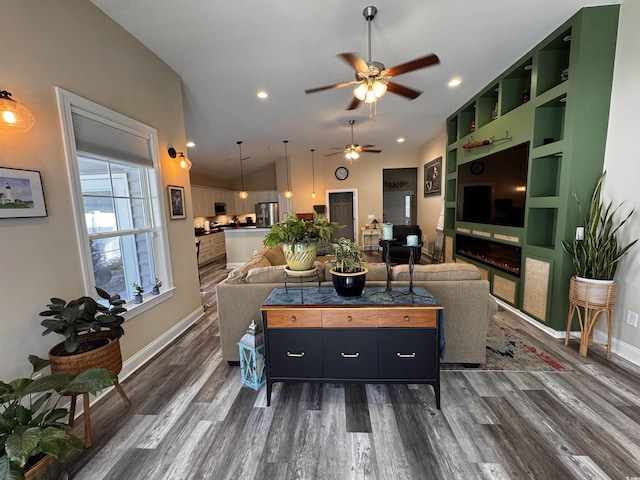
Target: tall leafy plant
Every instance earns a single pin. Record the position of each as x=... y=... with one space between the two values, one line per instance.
x=598 y=254
x=293 y=230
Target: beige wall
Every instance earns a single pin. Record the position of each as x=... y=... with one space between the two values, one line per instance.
x=73 y=45
x=429 y=208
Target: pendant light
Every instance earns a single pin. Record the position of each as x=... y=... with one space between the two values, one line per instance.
x=13 y=116
x=288 y=193
x=313 y=175
x=243 y=193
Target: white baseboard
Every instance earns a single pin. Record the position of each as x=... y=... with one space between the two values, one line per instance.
x=623 y=350
x=147 y=353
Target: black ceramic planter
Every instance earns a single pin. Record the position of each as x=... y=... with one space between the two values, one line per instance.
x=349 y=284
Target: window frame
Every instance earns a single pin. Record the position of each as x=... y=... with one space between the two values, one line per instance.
x=69 y=102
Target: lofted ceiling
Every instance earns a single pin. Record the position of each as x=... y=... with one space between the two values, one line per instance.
x=225 y=52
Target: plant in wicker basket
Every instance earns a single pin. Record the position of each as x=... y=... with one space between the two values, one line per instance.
x=33 y=433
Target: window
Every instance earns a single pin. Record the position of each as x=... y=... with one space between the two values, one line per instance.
x=116 y=191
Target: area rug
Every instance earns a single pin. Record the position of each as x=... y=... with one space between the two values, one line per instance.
x=508 y=351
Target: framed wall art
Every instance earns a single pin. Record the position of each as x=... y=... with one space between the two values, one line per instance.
x=21 y=194
x=433 y=177
x=177 y=208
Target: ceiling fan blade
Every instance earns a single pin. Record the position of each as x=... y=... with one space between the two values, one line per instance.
x=336 y=153
x=367 y=146
x=410 y=93
x=355 y=60
x=355 y=103
x=416 y=64
x=371 y=151
x=327 y=87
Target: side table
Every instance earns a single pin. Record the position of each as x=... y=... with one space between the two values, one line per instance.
x=370 y=238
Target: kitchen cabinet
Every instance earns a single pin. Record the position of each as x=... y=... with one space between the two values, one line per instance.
x=212 y=247
x=361 y=339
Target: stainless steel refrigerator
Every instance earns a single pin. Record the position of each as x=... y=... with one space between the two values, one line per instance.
x=266 y=213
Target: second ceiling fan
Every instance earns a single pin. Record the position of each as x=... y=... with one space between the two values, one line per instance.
x=353 y=150
x=372 y=78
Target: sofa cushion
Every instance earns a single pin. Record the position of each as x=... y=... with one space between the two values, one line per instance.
x=437 y=272
x=238 y=274
x=275 y=255
x=270 y=274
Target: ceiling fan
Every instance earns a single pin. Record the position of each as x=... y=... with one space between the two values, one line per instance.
x=372 y=78
x=353 y=150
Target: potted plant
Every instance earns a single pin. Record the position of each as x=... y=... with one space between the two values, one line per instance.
x=137 y=298
x=155 y=286
x=34 y=438
x=91 y=331
x=596 y=256
x=299 y=239
x=348 y=272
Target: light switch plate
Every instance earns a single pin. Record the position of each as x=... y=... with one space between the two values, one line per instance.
x=579 y=233
x=371 y=217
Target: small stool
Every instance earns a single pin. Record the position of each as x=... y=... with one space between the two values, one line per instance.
x=589 y=301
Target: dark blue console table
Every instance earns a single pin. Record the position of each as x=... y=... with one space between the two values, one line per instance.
x=374 y=338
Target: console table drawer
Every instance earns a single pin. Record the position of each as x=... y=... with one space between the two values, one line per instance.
x=407 y=317
x=408 y=354
x=295 y=353
x=349 y=317
x=350 y=354
x=299 y=318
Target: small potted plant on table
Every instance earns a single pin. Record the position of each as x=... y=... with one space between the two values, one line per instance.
x=348 y=272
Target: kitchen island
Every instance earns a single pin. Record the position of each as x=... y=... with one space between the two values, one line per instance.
x=242 y=243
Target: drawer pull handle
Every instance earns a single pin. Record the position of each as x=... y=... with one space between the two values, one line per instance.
x=293 y=319
x=296 y=355
x=406 y=355
x=349 y=318
x=350 y=355
x=407 y=319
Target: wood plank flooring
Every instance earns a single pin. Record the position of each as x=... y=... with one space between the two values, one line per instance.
x=191 y=419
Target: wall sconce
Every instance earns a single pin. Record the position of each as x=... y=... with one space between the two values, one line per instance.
x=288 y=193
x=243 y=193
x=182 y=161
x=13 y=116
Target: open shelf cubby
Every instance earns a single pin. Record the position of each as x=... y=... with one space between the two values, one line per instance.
x=450 y=192
x=541 y=229
x=545 y=176
x=549 y=122
x=488 y=106
x=467 y=120
x=452 y=161
x=553 y=62
x=449 y=217
x=452 y=130
x=516 y=86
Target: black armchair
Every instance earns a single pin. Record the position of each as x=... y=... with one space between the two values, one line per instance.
x=397 y=250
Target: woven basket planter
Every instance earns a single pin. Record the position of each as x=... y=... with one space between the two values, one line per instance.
x=47 y=468
x=108 y=357
x=591 y=293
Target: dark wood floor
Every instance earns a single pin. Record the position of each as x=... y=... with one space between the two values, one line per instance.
x=190 y=419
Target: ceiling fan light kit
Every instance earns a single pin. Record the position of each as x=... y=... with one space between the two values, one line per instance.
x=372 y=78
x=353 y=150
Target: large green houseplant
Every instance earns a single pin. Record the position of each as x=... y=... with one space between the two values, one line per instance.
x=299 y=238
x=598 y=254
x=348 y=272
x=32 y=424
x=91 y=331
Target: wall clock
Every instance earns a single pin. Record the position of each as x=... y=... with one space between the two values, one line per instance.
x=342 y=173
x=477 y=168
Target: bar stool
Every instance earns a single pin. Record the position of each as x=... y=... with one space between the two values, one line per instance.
x=589 y=301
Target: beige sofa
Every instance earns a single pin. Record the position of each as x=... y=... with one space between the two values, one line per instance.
x=468 y=306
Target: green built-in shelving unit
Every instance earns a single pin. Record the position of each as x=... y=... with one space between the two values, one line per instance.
x=556 y=97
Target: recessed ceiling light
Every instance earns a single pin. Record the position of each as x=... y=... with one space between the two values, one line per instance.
x=454 y=82
x=400 y=139
x=262 y=94
x=191 y=144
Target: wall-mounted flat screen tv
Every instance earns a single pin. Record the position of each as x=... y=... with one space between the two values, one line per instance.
x=492 y=189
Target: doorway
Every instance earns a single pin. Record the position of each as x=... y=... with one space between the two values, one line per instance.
x=399 y=195
x=342 y=209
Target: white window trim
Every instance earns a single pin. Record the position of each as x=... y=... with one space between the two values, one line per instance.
x=67 y=101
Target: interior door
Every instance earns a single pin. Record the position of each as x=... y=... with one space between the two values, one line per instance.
x=341 y=211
